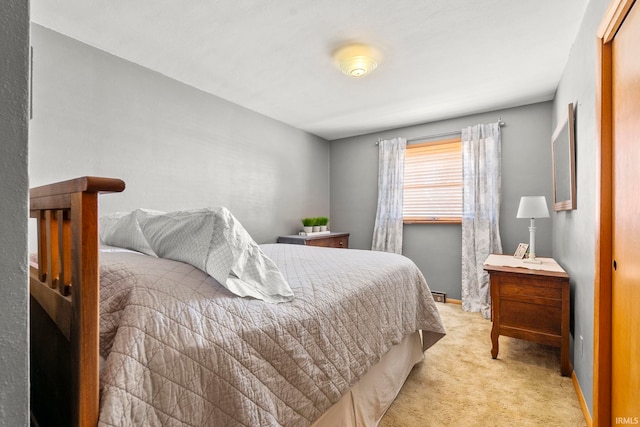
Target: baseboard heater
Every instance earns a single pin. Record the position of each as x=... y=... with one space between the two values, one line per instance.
x=439 y=296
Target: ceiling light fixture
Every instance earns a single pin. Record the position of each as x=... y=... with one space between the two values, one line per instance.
x=357 y=60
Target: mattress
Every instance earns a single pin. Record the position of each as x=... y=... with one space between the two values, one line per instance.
x=180 y=349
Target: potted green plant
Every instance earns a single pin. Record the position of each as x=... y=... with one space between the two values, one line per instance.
x=307 y=224
x=322 y=221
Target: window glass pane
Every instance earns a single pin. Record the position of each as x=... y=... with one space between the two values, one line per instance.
x=433 y=182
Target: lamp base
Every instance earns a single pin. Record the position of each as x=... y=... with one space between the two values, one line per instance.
x=531 y=259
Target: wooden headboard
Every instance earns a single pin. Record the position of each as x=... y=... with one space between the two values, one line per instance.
x=65 y=281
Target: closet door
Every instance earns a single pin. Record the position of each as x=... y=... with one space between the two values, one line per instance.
x=625 y=330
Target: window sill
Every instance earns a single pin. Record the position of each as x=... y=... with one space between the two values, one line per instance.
x=433 y=221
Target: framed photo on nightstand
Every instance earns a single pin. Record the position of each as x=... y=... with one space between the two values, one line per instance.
x=521 y=251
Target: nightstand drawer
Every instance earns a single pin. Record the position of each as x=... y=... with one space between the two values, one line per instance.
x=332 y=240
x=525 y=287
x=534 y=317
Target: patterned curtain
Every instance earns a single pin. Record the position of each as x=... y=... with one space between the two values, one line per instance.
x=480 y=212
x=387 y=232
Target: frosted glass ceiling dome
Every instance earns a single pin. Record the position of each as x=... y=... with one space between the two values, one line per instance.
x=357 y=60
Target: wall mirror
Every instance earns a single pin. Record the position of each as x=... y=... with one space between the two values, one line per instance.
x=564 y=163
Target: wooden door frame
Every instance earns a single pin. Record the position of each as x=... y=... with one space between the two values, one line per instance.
x=613 y=18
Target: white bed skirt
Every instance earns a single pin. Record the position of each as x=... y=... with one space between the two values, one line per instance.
x=366 y=402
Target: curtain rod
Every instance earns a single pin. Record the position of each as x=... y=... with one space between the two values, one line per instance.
x=435 y=135
x=439 y=135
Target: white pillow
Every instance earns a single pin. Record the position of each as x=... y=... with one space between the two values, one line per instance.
x=106 y=224
x=210 y=239
x=213 y=240
x=123 y=230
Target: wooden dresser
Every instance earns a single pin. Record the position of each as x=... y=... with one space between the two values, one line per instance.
x=332 y=240
x=530 y=302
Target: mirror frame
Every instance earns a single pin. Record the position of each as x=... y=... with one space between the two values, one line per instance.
x=564 y=134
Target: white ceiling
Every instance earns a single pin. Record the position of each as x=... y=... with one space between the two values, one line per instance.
x=441 y=58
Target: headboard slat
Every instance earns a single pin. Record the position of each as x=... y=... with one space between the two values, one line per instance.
x=42 y=245
x=64 y=251
x=53 y=263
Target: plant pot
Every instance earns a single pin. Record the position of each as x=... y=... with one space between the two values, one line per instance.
x=316 y=228
x=307 y=229
x=323 y=228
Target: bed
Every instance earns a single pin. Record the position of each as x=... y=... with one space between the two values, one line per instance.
x=155 y=341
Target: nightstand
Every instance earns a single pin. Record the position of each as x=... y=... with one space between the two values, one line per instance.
x=331 y=240
x=530 y=302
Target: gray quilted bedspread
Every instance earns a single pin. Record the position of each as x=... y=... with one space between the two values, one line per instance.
x=182 y=350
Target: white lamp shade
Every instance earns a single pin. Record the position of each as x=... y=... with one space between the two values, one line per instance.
x=533 y=207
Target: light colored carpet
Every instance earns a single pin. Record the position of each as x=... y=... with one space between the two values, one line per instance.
x=459 y=384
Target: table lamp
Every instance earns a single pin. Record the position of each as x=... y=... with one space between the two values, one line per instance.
x=532 y=207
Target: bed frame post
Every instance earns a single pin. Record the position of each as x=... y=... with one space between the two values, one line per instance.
x=85 y=333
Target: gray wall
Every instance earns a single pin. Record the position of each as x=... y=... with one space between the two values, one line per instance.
x=175 y=146
x=436 y=249
x=574 y=231
x=14 y=187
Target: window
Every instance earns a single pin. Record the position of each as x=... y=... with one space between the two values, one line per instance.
x=433 y=182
